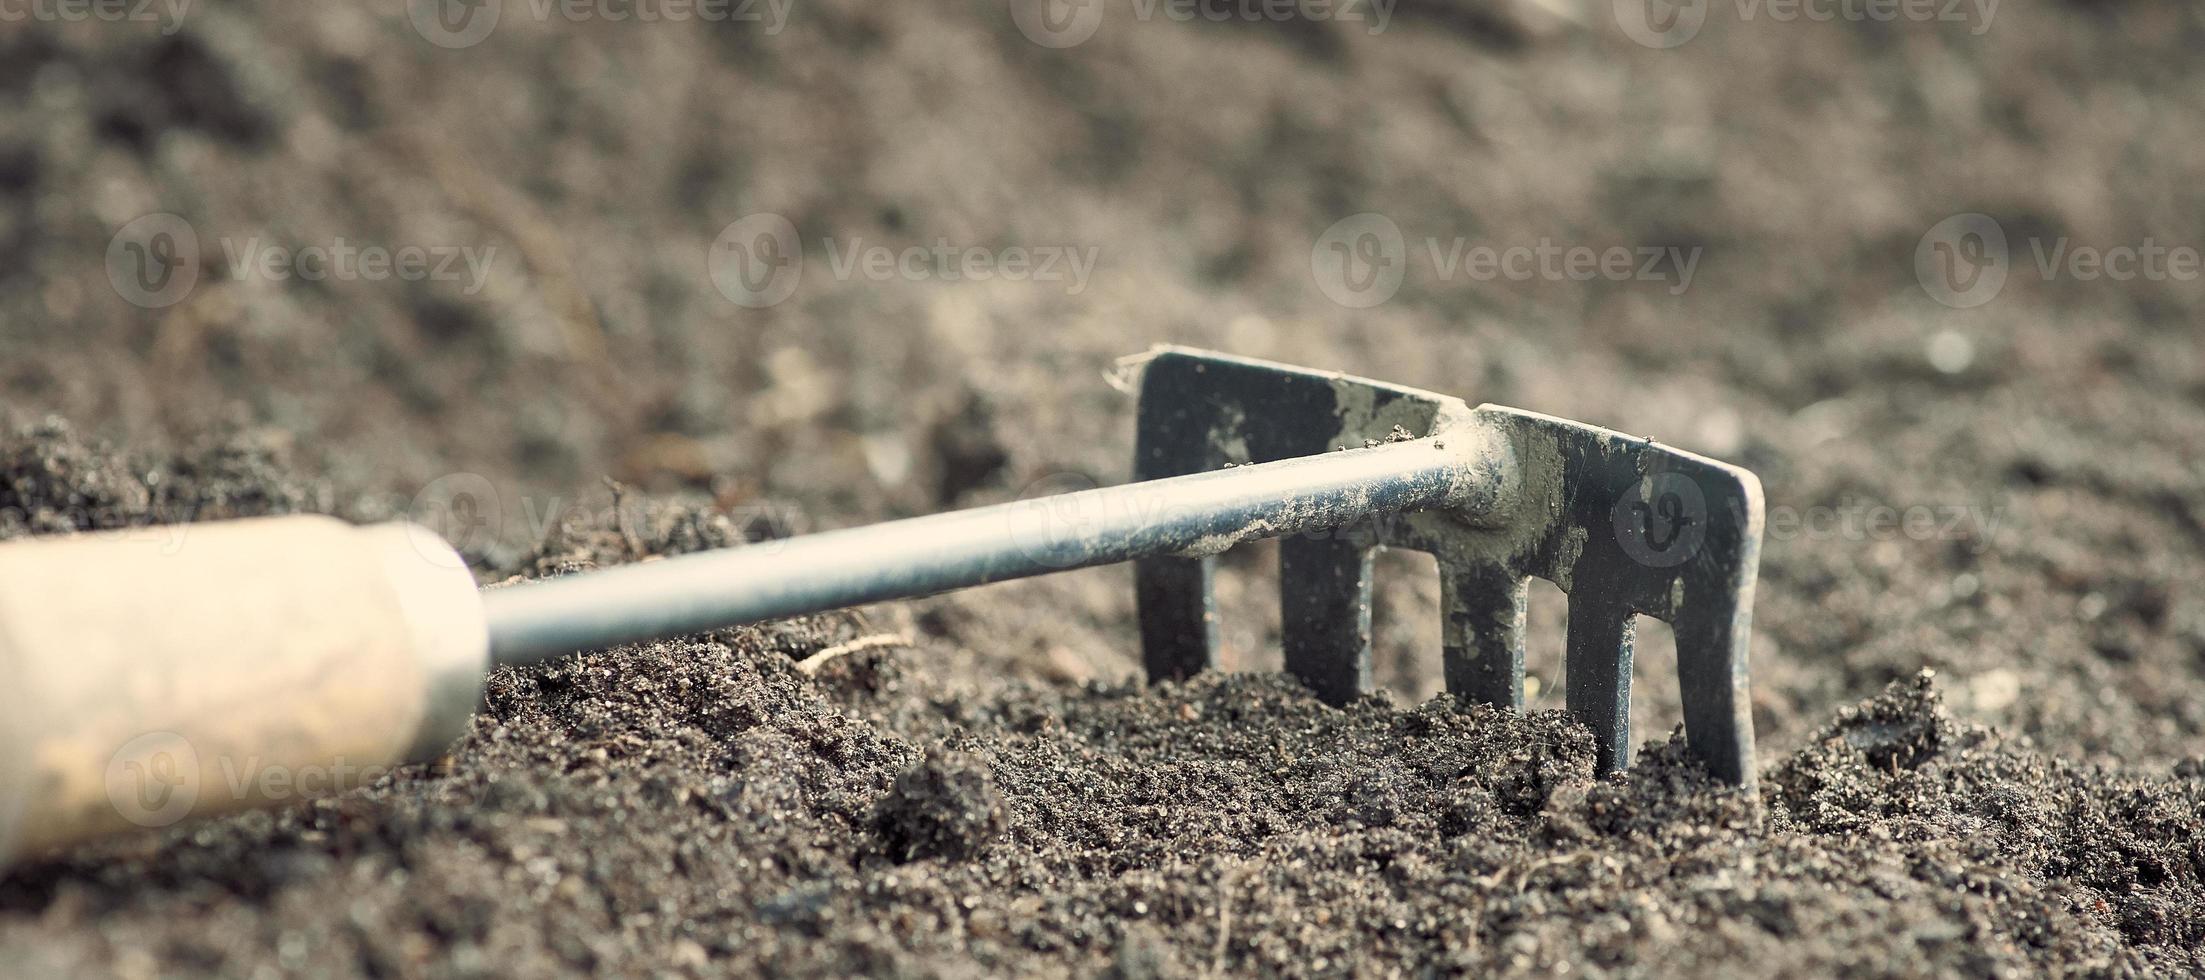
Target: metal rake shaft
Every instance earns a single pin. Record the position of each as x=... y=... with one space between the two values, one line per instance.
x=1202 y=513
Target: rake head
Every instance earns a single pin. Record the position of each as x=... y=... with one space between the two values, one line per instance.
x=1624 y=526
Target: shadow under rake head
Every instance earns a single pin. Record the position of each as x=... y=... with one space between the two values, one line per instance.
x=1625 y=527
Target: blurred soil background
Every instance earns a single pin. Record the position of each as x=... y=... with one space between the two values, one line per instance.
x=2057 y=430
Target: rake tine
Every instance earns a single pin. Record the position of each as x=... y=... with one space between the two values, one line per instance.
x=1324 y=613
x=1711 y=648
x=1178 y=616
x=1598 y=661
x=1482 y=639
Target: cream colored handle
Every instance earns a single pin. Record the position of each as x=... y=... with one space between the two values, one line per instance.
x=152 y=675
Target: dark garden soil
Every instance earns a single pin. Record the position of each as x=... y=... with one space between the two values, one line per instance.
x=1983 y=742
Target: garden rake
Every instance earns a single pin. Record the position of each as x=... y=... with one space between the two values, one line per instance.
x=141 y=673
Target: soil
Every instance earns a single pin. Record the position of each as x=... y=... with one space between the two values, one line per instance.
x=1983 y=745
